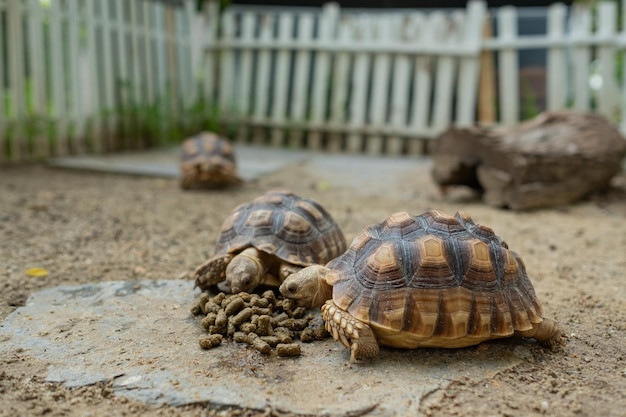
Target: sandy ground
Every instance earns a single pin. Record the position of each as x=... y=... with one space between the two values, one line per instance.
x=87 y=227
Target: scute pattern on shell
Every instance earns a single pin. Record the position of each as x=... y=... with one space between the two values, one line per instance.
x=297 y=230
x=208 y=160
x=434 y=280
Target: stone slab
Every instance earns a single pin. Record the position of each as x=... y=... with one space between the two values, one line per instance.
x=140 y=336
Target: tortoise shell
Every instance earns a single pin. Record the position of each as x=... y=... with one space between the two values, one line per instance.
x=294 y=229
x=434 y=281
x=208 y=161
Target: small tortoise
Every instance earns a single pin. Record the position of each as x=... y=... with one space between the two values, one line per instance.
x=431 y=280
x=264 y=241
x=208 y=161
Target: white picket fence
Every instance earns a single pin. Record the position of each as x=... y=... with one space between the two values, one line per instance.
x=332 y=79
x=586 y=68
x=72 y=67
x=342 y=80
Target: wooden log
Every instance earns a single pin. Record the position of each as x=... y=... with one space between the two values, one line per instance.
x=554 y=159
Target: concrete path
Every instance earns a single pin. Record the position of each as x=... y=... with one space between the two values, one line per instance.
x=354 y=171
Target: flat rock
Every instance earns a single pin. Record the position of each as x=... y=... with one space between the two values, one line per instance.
x=141 y=337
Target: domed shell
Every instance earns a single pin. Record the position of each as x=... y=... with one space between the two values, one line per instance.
x=434 y=280
x=208 y=160
x=294 y=229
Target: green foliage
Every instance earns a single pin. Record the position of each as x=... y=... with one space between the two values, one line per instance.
x=165 y=120
x=529 y=102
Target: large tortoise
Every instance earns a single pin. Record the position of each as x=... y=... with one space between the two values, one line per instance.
x=208 y=161
x=265 y=240
x=431 y=280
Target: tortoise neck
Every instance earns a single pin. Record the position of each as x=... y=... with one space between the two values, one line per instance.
x=324 y=290
x=258 y=257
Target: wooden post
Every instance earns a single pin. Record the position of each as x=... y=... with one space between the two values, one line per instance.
x=487 y=81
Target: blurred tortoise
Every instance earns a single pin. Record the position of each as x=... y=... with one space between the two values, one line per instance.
x=208 y=161
x=431 y=280
x=264 y=241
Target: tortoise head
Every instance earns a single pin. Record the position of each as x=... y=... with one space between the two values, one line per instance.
x=244 y=273
x=308 y=286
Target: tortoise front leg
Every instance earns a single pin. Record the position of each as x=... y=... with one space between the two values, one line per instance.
x=212 y=271
x=285 y=269
x=353 y=334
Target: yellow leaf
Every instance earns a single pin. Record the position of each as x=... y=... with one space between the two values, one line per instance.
x=36 y=272
x=323 y=186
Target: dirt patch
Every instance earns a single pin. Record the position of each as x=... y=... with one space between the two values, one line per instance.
x=86 y=227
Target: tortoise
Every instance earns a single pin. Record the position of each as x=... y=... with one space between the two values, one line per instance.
x=208 y=161
x=269 y=238
x=430 y=280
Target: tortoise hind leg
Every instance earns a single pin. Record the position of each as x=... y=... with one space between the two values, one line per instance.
x=353 y=334
x=212 y=271
x=547 y=333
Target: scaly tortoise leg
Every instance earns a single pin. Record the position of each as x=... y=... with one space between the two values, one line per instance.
x=285 y=269
x=353 y=334
x=212 y=271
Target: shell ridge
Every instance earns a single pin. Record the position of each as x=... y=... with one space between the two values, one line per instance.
x=440 y=322
x=455 y=256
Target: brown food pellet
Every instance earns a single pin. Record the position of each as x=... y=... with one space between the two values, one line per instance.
x=231 y=328
x=211 y=307
x=288 y=349
x=283 y=331
x=289 y=304
x=279 y=318
x=311 y=334
x=261 y=310
x=211 y=341
x=234 y=306
x=264 y=325
x=204 y=298
x=298 y=313
x=260 y=344
x=269 y=296
x=196 y=310
x=221 y=320
x=259 y=302
x=244 y=296
x=271 y=340
x=315 y=330
x=248 y=328
x=242 y=316
x=294 y=324
x=218 y=298
x=241 y=337
x=217 y=330
x=209 y=320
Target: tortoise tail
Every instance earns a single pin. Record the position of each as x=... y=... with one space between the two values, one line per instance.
x=547 y=333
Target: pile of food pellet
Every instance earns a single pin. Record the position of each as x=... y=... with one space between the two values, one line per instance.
x=263 y=321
